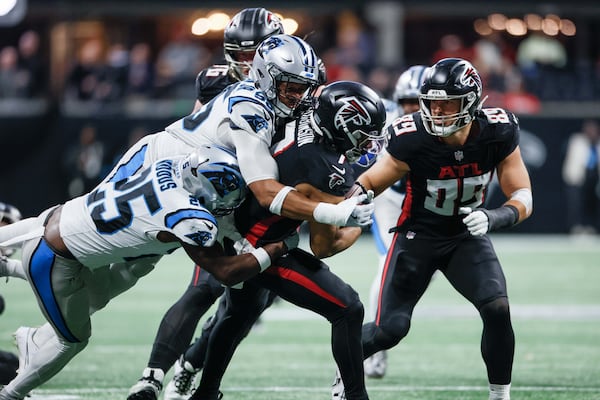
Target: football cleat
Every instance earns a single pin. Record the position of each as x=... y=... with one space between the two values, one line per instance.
x=337 y=389
x=181 y=385
x=149 y=385
x=376 y=365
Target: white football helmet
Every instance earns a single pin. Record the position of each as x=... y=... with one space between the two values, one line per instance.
x=285 y=59
x=408 y=85
x=212 y=175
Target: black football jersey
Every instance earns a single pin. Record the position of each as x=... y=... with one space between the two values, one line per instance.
x=301 y=158
x=443 y=178
x=211 y=81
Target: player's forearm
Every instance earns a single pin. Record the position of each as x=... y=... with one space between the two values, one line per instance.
x=341 y=240
x=291 y=204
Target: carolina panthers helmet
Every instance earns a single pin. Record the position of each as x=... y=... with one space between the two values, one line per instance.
x=408 y=85
x=285 y=59
x=212 y=175
x=9 y=214
x=350 y=117
x=244 y=33
x=448 y=79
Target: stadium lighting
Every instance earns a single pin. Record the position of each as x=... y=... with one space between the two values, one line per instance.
x=290 y=26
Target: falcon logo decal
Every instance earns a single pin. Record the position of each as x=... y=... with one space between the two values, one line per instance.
x=335 y=179
x=352 y=111
x=471 y=78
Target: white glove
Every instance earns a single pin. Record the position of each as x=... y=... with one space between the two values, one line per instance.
x=292 y=241
x=477 y=221
x=242 y=246
x=355 y=211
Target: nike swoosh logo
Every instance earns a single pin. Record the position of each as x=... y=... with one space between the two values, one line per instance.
x=342 y=171
x=209 y=226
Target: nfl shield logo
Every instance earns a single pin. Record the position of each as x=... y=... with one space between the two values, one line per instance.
x=458 y=155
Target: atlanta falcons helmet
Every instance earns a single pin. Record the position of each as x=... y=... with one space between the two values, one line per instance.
x=448 y=79
x=350 y=117
x=212 y=175
x=242 y=36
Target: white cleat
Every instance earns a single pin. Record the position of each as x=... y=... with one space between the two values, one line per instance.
x=376 y=365
x=148 y=387
x=180 y=387
x=338 y=391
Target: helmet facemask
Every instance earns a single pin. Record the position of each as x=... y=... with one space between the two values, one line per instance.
x=437 y=125
x=239 y=60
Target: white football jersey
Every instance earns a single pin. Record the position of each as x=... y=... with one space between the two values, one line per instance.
x=119 y=221
x=240 y=119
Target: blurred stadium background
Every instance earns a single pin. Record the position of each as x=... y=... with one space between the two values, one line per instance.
x=105 y=72
x=113 y=71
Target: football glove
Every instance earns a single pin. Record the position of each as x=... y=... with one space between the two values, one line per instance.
x=477 y=221
x=355 y=211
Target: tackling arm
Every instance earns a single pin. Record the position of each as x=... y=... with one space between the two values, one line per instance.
x=383 y=174
x=328 y=240
x=260 y=171
x=231 y=270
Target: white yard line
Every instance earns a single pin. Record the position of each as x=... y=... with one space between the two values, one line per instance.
x=75 y=394
x=541 y=312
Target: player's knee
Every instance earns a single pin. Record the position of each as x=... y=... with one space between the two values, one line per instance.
x=355 y=311
x=495 y=311
x=140 y=269
x=391 y=332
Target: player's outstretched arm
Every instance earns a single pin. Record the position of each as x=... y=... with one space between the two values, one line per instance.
x=328 y=240
x=231 y=270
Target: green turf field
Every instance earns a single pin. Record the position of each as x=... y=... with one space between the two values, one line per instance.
x=554 y=285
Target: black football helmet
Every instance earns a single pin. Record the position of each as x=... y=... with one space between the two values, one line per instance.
x=243 y=34
x=450 y=78
x=350 y=117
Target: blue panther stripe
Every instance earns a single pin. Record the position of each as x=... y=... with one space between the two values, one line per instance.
x=42 y=261
x=134 y=164
x=173 y=219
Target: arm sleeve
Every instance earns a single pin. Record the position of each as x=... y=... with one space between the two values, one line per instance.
x=254 y=157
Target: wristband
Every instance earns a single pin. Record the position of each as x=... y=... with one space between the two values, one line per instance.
x=277 y=203
x=325 y=213
x=501 y=217
x=263 y=258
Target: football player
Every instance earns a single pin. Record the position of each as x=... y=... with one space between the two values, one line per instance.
x=246 y=30
x=314 y=156
x=241 y=37
x=242 y=118
x=448 y=153
x=388 y=205
x=69 y=249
